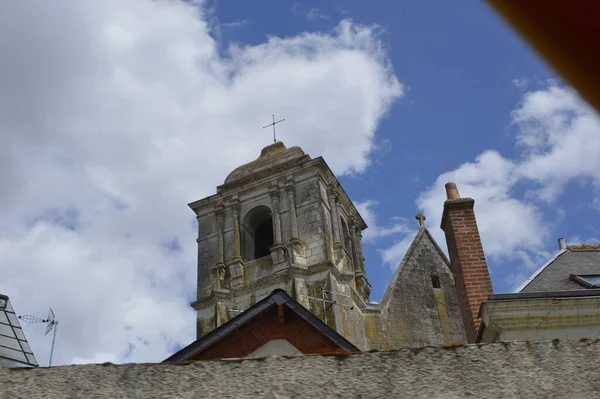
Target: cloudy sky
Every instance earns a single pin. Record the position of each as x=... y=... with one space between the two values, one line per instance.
x=114 y=114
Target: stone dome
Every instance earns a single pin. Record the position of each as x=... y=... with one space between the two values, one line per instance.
x=270 y=156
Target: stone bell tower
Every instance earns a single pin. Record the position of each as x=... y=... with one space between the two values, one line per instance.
x=281 y=221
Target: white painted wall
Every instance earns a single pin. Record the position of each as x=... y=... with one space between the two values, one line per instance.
x=276 y=347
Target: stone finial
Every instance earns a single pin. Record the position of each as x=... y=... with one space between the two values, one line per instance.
x=421 y=218
x=269 y=150
x=452 y=191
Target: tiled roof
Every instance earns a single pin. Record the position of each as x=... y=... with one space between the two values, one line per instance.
x=554 y=276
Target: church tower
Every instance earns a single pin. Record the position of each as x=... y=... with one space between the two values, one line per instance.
x=281 y=221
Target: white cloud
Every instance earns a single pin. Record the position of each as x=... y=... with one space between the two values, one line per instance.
x=397 y=227
x=392 y=256
x=521 y=84
x=312 y=14
x=505 y=223
x=559 y=139
x=375 y=230
x=114 y=115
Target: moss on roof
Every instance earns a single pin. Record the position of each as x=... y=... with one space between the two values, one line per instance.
x=584 y=247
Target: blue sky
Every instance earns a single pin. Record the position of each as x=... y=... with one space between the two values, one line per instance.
x=143 y=106
x=459 y=62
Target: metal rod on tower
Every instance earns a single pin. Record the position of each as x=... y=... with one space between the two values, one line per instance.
x=324 y=300
x=273 y=124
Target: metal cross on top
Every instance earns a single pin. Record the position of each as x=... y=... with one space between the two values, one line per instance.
x=421 y=218
x=273 y=124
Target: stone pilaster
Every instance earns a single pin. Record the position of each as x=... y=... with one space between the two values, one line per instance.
x=278 y=249
x=221 y=313
x=236 y=265
x=361 y=257
x=290 y=188
x=296 y=248
x=335 y=219
x=362 y=284
x=355 y=247
x=274 y=192
x=237 y=245
x=338 y=246
x=220 y=266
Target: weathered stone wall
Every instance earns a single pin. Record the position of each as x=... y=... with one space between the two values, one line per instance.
x=510 y=370
x=311 y=226
x=207 y=252
x=416 y=313
x=350 y=320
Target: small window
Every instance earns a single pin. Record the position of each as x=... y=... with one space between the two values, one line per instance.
x=586 y=280
x=435 y=281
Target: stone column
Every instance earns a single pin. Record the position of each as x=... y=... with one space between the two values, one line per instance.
x=291 y=192
x=237 y=245
x=361 y=258
x=236 y=265
x=360 y=278
x=354 y=240
x=274 y=192
x=296 y=249
x=220 y=266
x=278 y=249
x=335 y=219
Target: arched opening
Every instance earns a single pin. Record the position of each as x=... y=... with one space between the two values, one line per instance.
x=257 y=233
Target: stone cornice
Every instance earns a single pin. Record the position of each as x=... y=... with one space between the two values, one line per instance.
x=541 y=313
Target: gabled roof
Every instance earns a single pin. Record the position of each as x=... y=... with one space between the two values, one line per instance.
x=555 y=274
x=422 y=234
x=14 y=348
x=278 y=299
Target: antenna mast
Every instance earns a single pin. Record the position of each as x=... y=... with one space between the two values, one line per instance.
x=324 y=300
x=51 y=324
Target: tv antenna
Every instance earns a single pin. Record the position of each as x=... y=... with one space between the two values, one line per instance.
x=51 y=324
x=325 y=301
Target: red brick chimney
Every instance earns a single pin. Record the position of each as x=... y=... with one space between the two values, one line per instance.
x=467 y=260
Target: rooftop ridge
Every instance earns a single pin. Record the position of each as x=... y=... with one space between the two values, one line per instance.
x=584 y=247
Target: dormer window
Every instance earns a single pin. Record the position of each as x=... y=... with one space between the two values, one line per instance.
x=586 y=280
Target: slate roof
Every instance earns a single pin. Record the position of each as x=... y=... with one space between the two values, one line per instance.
x=277 y=297
x=555 y=275
x=14 y=348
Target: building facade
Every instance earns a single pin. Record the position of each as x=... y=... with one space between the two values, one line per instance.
x=284 y=222
x=561 y=300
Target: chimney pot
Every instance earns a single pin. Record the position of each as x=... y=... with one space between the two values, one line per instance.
x=452 y=191
x=562 y=244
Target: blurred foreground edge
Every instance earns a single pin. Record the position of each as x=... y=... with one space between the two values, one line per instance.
x=565 y=33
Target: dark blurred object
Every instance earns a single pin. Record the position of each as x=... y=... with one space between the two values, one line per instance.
x=566 y=33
